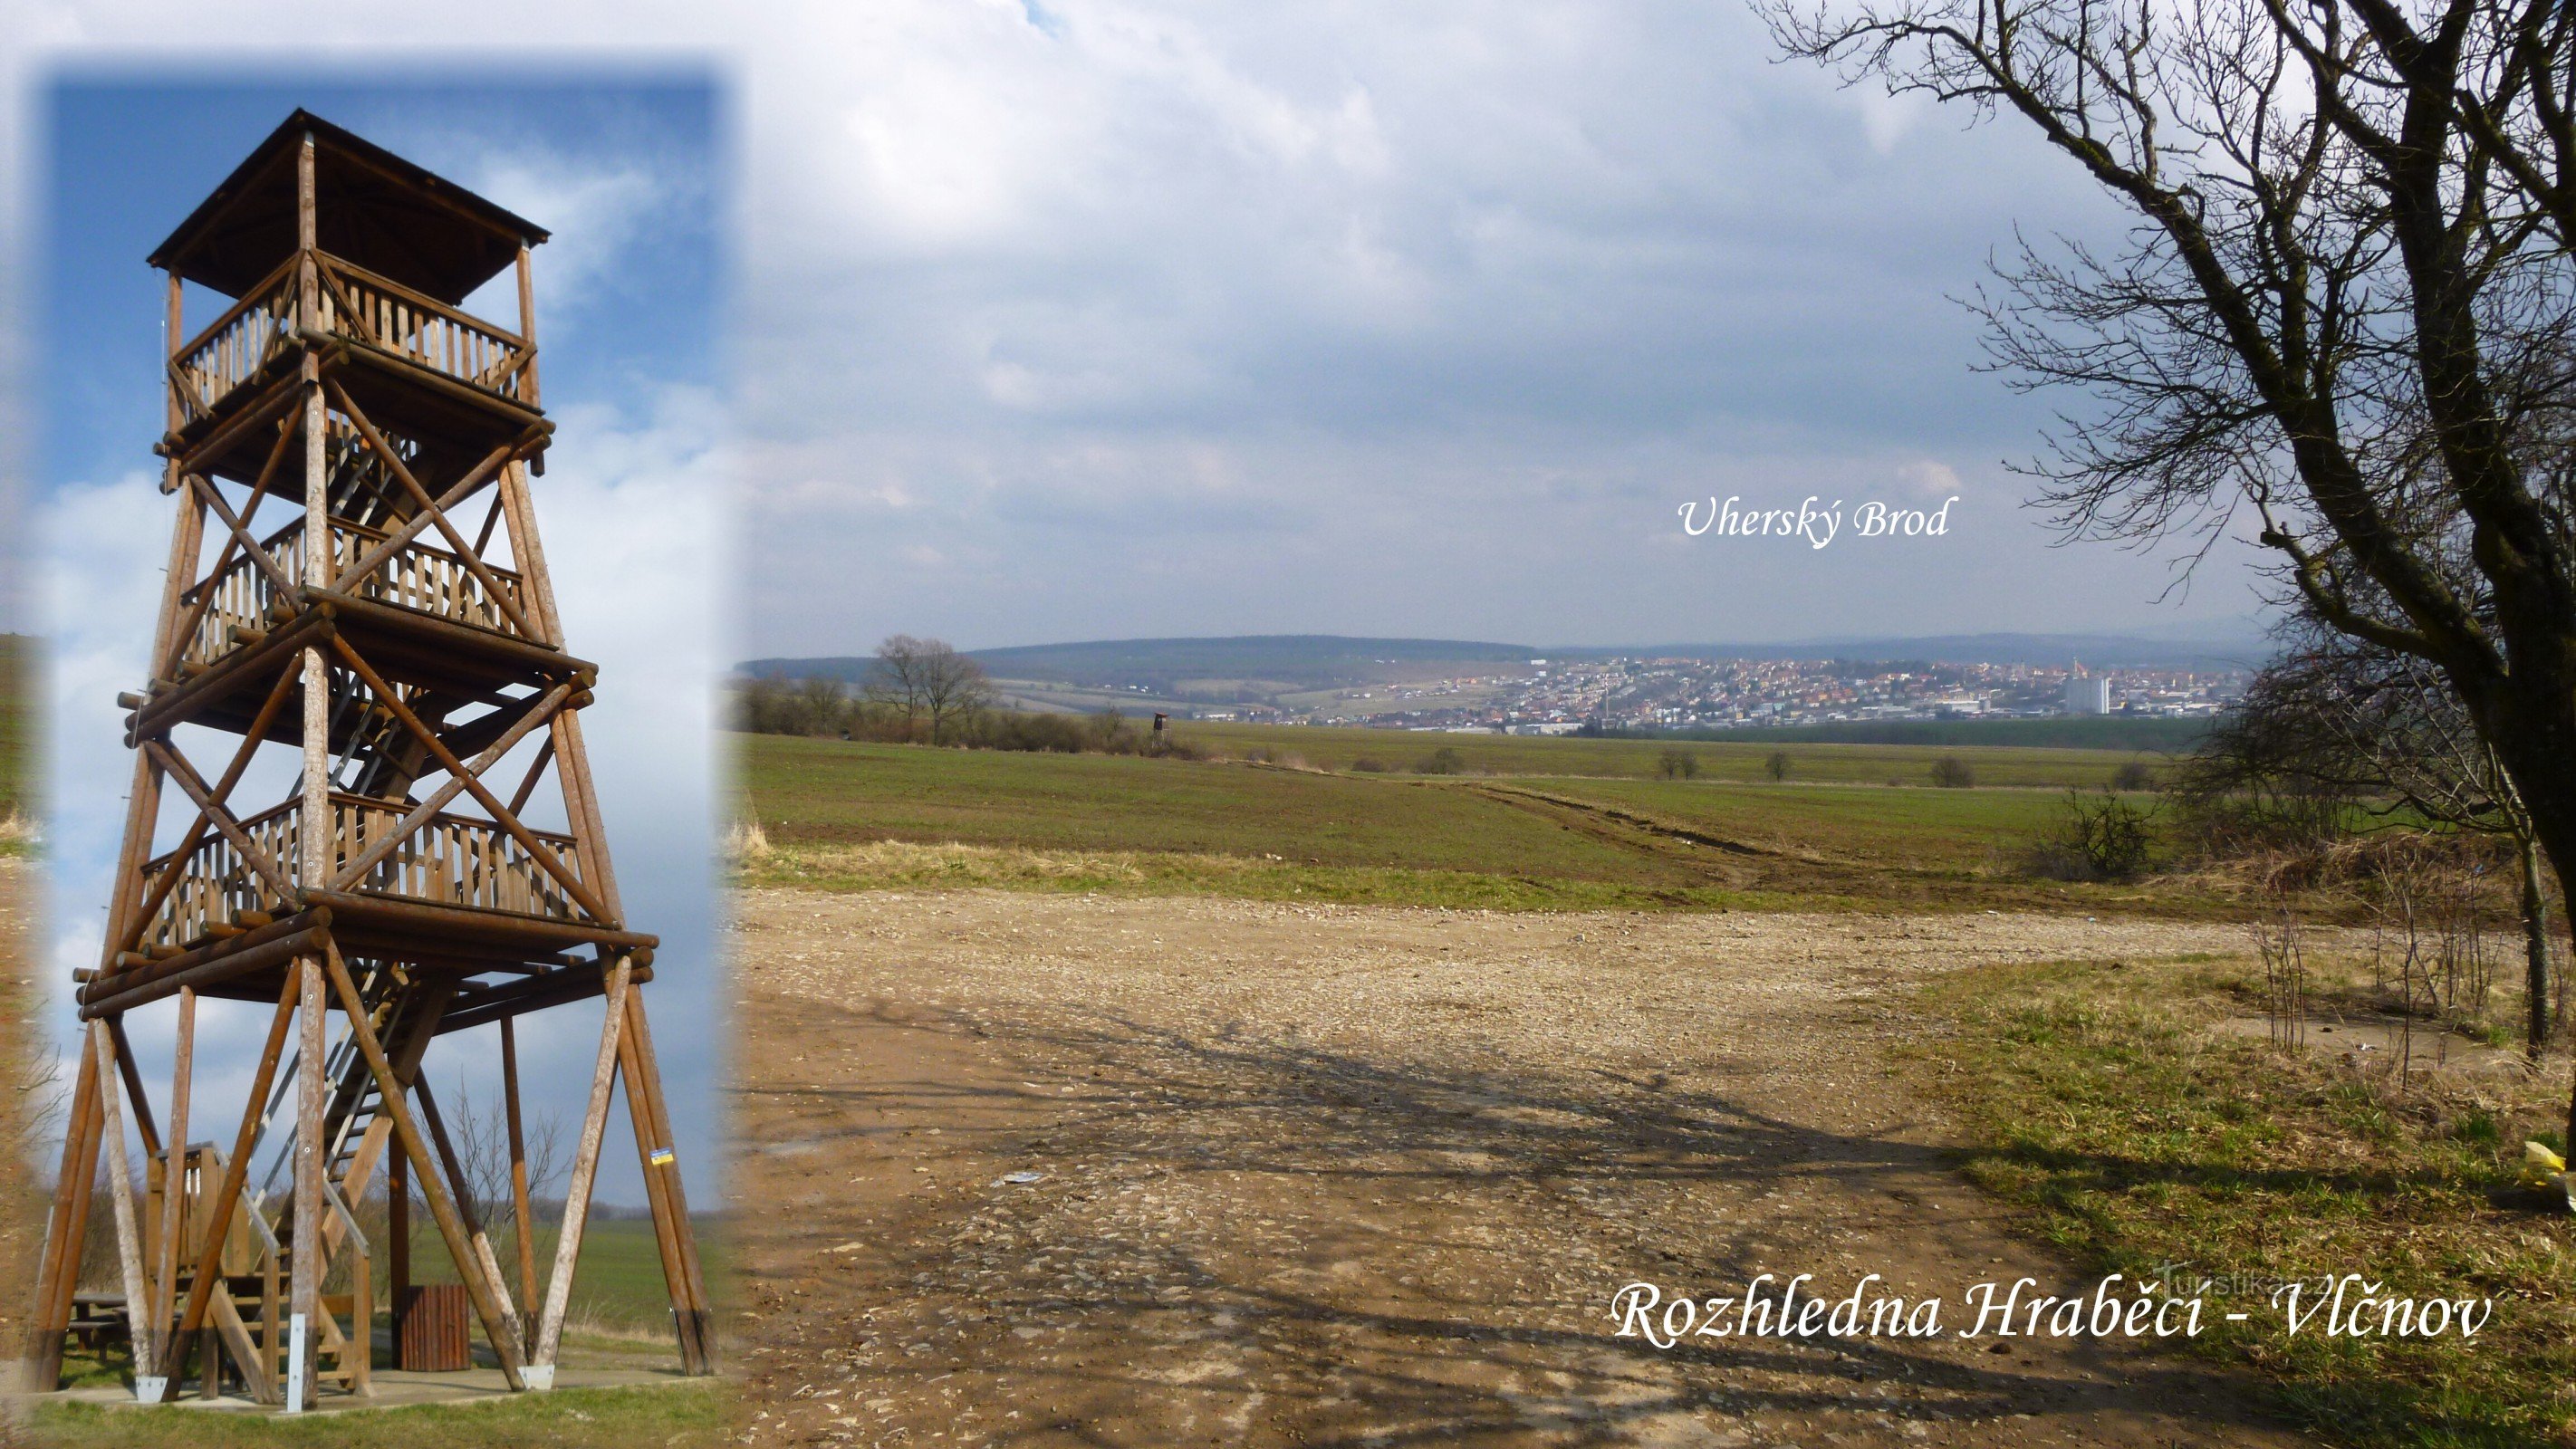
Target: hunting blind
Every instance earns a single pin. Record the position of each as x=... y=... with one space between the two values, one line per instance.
x=393 y=656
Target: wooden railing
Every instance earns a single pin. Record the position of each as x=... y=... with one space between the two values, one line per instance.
x=356 y=304
x=418 y=576
x=452 y=860
x=244 y=339
x=219 y=884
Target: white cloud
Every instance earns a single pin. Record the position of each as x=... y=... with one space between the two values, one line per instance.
x=1929 y=478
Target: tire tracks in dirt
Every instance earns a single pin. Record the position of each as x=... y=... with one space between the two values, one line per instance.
x=1366 y=1176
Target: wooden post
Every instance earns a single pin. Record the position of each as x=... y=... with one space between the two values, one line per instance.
x=667 y=1171
x=174 y=335
x=398 y=1240
x=362 y=1324
x=528 y=326
x=58 y=1277
x=313 y=833
x=120 y=1188
x=304 y=1282
x=670 y=1177
x=675 y=1276
x=524 y=1221
x=227 y=1200
x=174 y=1164
x=585 y=1163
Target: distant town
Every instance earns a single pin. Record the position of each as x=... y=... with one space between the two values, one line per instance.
x=1544 y=696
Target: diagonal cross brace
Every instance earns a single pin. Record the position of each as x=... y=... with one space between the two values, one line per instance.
x=177 y=870
x=259 y=553
x=389 y=1089
x=222 y=819
x=437 y=515
x=501 y=814
x=540 y=710
x=205 y=596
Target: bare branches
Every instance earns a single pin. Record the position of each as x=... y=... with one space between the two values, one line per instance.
x=2346 y=300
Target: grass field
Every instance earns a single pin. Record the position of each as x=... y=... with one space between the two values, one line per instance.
x=694 y=1412
x=2106 y=1108
x=1738 y=760
x=844 y=815
x=618 y=1286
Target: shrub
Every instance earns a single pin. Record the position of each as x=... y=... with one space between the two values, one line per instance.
x=1952 y=773
x=1678 y=764
x=1443 y=761
x=1777 y=766
x=2102 y=836
x=1369 y=765
x=2135 y=775
x=1060 y=734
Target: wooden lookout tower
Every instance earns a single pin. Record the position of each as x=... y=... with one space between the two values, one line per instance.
x=388 y=658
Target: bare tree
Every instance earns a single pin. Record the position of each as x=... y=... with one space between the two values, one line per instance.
x=2345 y=303
x=899 y=677
x=2381 y=731
x=480 y=1130
x=931 y=683
x=954 y=689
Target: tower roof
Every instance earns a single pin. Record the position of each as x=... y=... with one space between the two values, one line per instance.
x=371 y=207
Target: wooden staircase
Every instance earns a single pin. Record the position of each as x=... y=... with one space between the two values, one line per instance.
x=247 y=1311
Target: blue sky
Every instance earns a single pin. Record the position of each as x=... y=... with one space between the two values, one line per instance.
x=629 y=170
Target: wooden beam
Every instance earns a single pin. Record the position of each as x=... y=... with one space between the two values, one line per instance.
x=169 y=879
x=178 y=768
x=539 y=710
x=66 y=1233
x=228 y=1197
x=396 y=541
x=523 y=1221
x=675 y=1278
x=585 y=1166
x=120 y=1188
x=126 y=1068
x=501 y=815
x=304 y=1285
x=450 y=1226
x=165 y=1268
x=472 y=1211
x=437 y=516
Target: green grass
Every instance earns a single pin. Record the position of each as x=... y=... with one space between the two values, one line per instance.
x=618 y=1284
x=845 y=816
x=693 y=1413
x=1916 y=829
x=2103 y=1109
x=1738 y=760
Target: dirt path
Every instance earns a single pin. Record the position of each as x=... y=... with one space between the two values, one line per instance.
x=1370 y=1177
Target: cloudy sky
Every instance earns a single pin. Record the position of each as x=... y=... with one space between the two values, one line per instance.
x=1072 y=320
x=625 y=171
x=1041 y=320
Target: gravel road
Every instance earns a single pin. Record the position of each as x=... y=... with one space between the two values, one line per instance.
x=1035 y=1169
